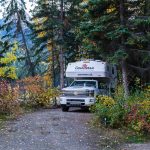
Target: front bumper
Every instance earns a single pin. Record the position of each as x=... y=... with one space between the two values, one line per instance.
x=76 y=101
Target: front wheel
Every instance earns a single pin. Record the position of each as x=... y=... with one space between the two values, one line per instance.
x=85 y=108
x=64 y=108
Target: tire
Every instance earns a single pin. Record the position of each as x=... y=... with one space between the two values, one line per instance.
x=64 y=108
x=85 y=108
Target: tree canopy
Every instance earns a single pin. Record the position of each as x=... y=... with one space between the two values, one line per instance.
x=62 y=31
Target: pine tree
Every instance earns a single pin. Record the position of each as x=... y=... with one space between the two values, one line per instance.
x=45 y=31
x=70 y=19
x=56 y=25
x=15 y=23
x=118 y=31
x=138 y=44
x=7 y=59
x=105 y=25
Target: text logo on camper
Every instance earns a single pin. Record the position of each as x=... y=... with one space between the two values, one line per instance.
x=84 y=66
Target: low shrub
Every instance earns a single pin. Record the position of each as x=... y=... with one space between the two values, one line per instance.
x=45 y=98
x=9 y=103
x=138 y=118
x=110 y=112
x=36 y=94
x=133 y=112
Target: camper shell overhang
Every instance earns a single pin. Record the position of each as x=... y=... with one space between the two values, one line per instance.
x=88 y=69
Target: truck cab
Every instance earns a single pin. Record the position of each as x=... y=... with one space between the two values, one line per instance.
x=91 y=78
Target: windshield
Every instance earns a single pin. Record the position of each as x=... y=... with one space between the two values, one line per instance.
x=84 y=83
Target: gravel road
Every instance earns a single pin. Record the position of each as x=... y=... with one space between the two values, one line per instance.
x=50 y=130
x=55 y=130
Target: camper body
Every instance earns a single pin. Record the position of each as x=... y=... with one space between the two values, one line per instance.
x=91 y=78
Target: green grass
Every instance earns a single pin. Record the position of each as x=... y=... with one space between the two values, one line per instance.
x=121 y=135
x=137 y=138
x=3 y=118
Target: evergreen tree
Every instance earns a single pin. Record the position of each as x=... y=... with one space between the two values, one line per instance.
x=45 y=32
x=56 y=27
x=15 y=24
x=119 y=31
x=138 y=44
x=72 y=19
x=7 y=59
x=106 y=26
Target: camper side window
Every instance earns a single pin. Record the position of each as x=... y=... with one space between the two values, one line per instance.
x=102 y=86
x=107 y=68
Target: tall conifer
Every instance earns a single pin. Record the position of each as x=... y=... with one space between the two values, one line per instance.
x=15 y=24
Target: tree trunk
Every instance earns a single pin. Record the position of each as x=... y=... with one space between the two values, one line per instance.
x=123 y=63
x=125 y=79
x=147 y=13
x=147 y=7
x=53 y=54
x=61 y=49
x=53 y=66
x=31 y=67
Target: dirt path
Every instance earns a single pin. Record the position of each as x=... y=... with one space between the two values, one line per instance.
x=137 y=147
x=54 y=130
x=51 y=130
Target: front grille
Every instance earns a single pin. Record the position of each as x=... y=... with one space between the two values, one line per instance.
x=76 y=93
x=76 y=105
x=75 y=100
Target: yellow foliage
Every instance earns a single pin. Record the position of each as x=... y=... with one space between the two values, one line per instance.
x=9 y=103
x=49 y=45
x=137 y=126
x=47 y=80
x=41 y=34
x=147 y=88
x=145 y=105
x=46 y=97
x=15 y=47
x=40 y=20
x=8 y=72
x=111 y=9
x=106 y=100
x=37 y=93
x=44 y=19
x=49 y=59
x=86 y=1
x=10 y=57
x=86 y=10
x=39 y=26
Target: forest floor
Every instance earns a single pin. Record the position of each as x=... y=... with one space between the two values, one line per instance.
x=57 y=130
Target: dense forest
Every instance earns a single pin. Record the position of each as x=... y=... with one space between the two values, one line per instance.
x=37 y=45
x=60 y=31
x=57 y=32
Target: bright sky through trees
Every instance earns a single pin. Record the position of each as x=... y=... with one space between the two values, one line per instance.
x=28 y=5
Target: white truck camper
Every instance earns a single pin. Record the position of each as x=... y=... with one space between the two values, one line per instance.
x=91 y=78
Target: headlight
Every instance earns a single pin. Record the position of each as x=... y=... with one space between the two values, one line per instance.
x=92 y=100
x=62 y=93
